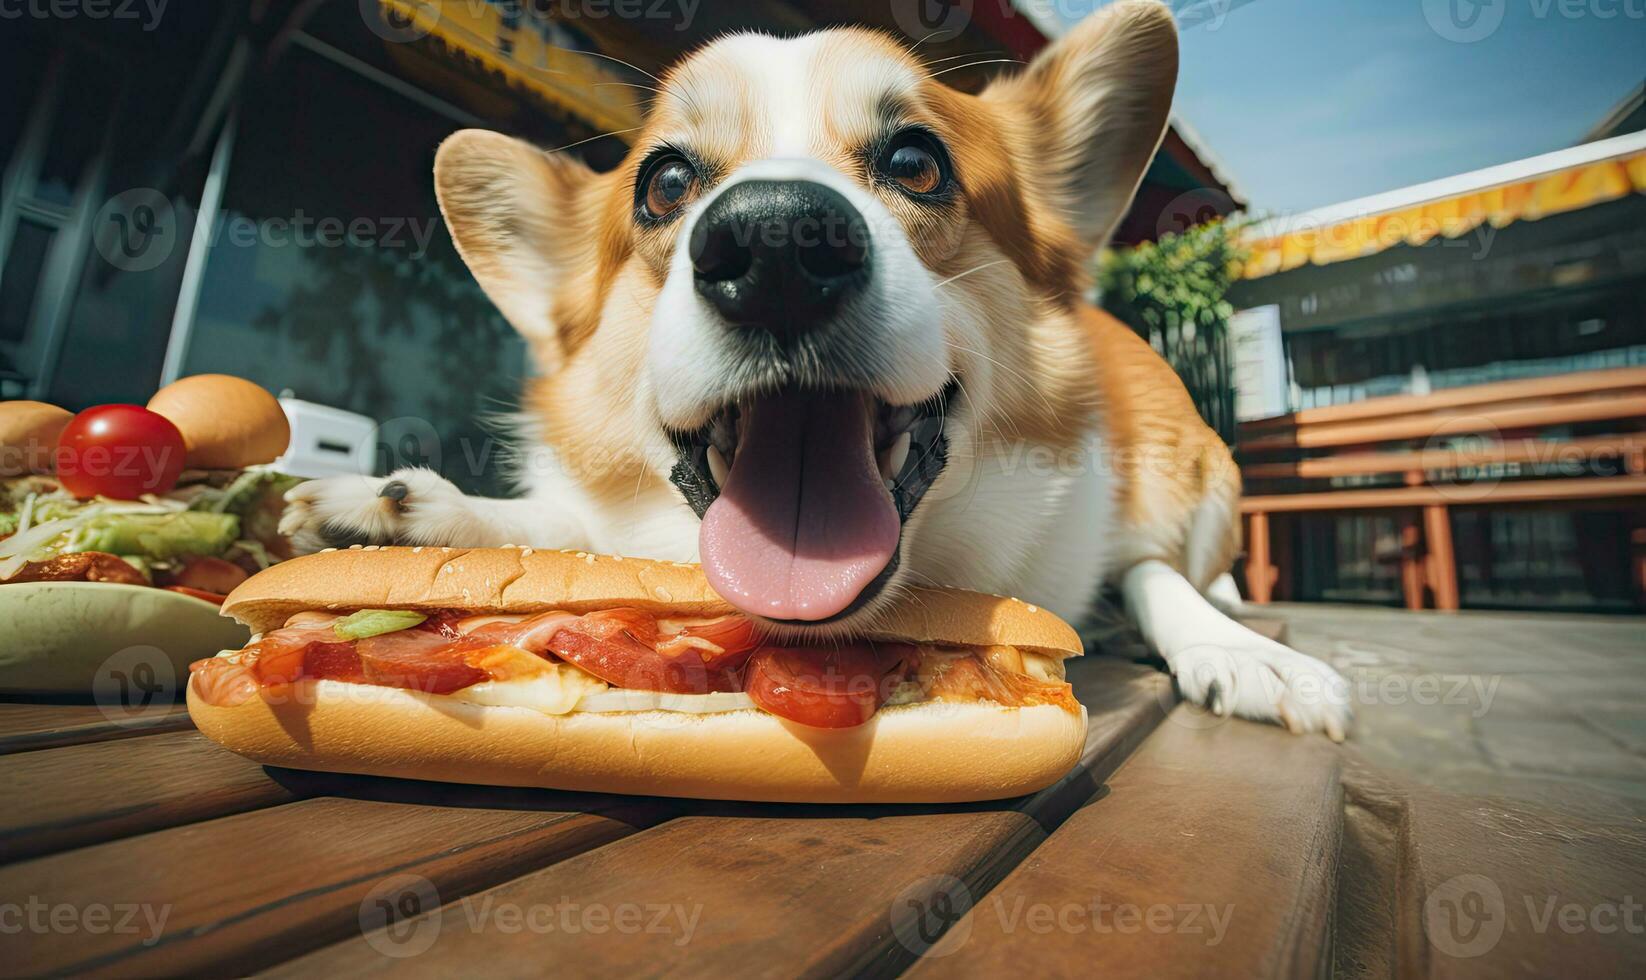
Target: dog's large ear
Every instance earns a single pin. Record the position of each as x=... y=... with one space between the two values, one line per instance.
x=523 y=221
x=1096 y=104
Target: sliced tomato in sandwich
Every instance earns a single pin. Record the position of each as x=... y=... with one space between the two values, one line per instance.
x=838 y=687
x=619 y=646
x=419 y=660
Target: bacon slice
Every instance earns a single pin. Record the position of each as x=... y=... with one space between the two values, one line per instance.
x=620 y=646
x=717 y=641
x=531 y=634
x=969 y=677
x=82 y=566
x=839 y=686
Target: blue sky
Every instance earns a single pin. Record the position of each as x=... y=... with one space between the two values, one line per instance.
x=1310 y=102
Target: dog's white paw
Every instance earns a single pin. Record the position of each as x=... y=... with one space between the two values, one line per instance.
x=410 y=506
x=1265 y=681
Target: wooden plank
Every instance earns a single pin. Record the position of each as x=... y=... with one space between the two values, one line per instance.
x=1525 y=491
x=1440 y=561
x=233 y=895
x=1411 y=567
x=746 y=890
x=1260 y=574
x=86 y=794
x=28 y=726
x=1531 y=413
x=1548 y=452
x=1214 y=853
x=1553 y=386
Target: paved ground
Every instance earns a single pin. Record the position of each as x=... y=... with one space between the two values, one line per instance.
x=1495 y=704
x=1494 y=790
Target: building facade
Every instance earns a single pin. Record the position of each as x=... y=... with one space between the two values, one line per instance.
x=1532 y=269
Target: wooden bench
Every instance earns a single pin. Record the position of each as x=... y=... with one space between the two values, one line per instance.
x=232 y=867
x=1284 y=459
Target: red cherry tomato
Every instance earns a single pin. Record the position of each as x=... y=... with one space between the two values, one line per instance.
x=119 y=451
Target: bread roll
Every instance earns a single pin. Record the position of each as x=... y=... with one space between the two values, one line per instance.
x=635 y=741
x=227 y=423
x=28 y=436
x=932 y=752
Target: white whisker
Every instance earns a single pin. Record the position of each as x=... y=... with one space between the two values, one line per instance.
x=970 y=271
x=974 y=64
x=591 y=139
x=620 y=61
x=928 y=37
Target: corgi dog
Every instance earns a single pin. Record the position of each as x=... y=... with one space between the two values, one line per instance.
x=825 y=331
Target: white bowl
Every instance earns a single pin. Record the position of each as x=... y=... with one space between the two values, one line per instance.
x=126 y=645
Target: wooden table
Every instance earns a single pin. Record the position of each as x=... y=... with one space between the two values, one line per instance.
x=143 y=849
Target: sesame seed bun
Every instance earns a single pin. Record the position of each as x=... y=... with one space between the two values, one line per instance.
x=524 y=580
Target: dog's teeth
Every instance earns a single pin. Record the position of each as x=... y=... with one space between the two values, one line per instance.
x=723 y=434
x=718 y=468
x=902 y=418
x=894 y=456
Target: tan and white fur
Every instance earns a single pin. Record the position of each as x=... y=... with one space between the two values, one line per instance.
x=1076 y=458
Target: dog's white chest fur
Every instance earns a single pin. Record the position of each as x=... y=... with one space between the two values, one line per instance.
x=1022 y=520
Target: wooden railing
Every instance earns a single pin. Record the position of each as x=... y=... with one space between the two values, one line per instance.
x=1282 y=460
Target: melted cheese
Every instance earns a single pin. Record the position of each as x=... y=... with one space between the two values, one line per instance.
x=1043 y=668
x=553 y=690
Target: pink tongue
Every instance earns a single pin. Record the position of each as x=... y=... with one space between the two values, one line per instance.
x=804 y=522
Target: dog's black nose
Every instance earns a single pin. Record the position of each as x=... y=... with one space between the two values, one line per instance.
x=779 y=255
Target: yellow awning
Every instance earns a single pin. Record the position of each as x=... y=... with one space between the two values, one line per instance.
x=577 y=82
x=1553 y=193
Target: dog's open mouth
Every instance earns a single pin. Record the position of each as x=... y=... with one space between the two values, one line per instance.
x=803 y=495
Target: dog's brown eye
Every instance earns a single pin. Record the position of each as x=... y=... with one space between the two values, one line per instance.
x=915 y=169
x=915 y=160
x=670 y=183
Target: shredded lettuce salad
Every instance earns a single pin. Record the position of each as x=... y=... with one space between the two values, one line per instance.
x=39 y=521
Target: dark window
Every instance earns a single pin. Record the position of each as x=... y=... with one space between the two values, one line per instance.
x=78 y=123
x=332 y=275
x=20 y=280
